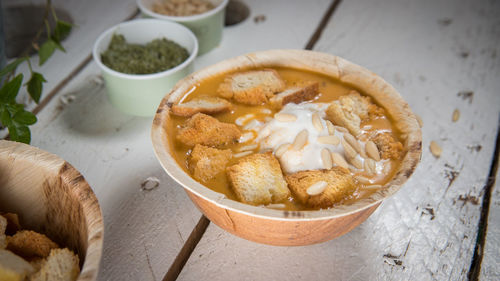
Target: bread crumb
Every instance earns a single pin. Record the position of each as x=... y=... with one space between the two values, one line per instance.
x=28 y=244
x=206 y=162
x=388 y=147
x=206 y=130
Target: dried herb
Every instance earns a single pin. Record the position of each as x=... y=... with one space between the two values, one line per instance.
x=156 y=56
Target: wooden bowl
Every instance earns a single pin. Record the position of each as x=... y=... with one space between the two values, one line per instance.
x=278 y=227
x=52 y=198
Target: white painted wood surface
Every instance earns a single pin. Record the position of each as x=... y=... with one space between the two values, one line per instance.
x=144 y=230
x=431 y=51
x=490 y=269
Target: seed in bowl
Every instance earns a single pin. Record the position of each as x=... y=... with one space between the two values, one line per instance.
x=182 y=8
x=156 y=56
x=313 y=142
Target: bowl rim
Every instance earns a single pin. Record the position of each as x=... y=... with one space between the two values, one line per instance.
x=186 y=19
x=81 y=190
x=331 y=65
x=97 y=57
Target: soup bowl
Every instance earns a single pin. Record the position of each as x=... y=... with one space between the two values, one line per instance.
x=281 y=227
x=53 y=198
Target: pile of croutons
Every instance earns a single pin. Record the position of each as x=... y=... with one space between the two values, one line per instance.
x=28 y=255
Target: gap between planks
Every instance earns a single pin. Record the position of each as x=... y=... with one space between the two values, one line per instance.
x=475 y=267
x=199 y=230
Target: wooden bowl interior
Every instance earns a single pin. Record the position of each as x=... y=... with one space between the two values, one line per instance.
x=52 y=198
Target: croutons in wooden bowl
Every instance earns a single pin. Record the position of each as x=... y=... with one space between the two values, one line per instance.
x=52 y=198
x=259 y=221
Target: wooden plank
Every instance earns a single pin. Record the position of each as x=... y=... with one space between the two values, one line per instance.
x=435 y=53
x=145 y=230
x=490 y=266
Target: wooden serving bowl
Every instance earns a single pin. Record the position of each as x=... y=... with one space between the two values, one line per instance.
x=278 y=227
x=53 y=198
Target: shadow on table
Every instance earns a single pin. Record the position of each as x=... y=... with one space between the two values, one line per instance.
x=86 y=110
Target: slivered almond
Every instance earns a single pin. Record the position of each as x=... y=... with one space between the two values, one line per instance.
x=330 y=127
x=370 y=166
x=372 y=187
x=339 y=160
x=248 y=147
x=363 y=180
x=350 y=153
x=241 y=154
x=316 y=120
x=436 y=150
x=334 y=140
x=317 y=188
x=282 y=149
x=341 y=129
x=356 y=163
x=372 y=150
x=285 y=117
x=353 y=142
x=300 y=140
x=326 y=157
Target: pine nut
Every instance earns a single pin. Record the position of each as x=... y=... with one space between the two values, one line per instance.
x=339 y=160
x=356 y=163
x=300 y=140
x=331 y=128
x=353 y=142
x=241 y=154
x=370 y=166
x=285 y=117
x=317 y=188
x=436 y=150
x=456 y=115
x=281 y=150
x=316 y=120
x=350 y=153
x=372 y=187
x=341 y=129
x=334 y=140
x=326 y=158
x=372 y=150
x=363 y=180
x=248 y=147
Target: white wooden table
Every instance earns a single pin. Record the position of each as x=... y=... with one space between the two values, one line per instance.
x=444 y=224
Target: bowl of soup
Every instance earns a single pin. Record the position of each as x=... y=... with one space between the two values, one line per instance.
x=286 y=147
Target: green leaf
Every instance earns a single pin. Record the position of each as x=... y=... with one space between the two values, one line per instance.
x=11 y=66
x=25 y=118
x=20 y=134
x=9 y=90
x=5 y=118
x=35 y=86
x=46 y=50
x=61 y=30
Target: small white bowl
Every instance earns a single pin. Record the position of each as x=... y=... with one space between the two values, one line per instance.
x=140 y=94
x=207 y=26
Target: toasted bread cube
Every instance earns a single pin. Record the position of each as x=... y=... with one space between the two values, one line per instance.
x=296 y=94
x=206 y=104
x=12 y=223
x=252 y=87
x=206 y=130
x=339 y=181
x=389 y=147
x=62 y=264
x=3 y=227
x=207 y=162
x=257 y=179
x=350 y=110
x=28 y=244
x=13 y=267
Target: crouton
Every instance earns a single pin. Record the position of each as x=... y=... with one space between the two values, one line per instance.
x=257 y=179
x=389 y=147
x=28 y=244
x=206 y=104
x=350 y=110
x=252 y=87
x=295 y=94
x=61 y=265
x=206 y=162
x=3 y=227
x=13 y=267
x=13 y=224
x=206 y=130
x=339 y=182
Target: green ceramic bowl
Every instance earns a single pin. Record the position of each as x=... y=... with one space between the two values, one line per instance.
x=140 y=94
x=207 y=26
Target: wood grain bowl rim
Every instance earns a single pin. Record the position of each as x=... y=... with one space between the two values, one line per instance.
x=362 y=79
x=80 y=189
